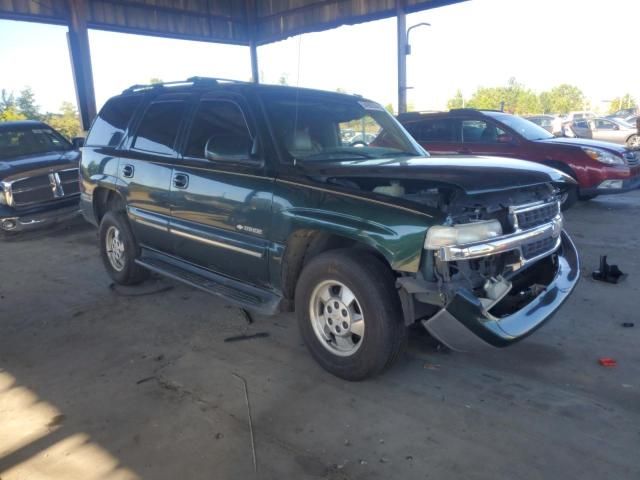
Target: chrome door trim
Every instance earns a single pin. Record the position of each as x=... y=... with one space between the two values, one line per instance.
x=214 y=243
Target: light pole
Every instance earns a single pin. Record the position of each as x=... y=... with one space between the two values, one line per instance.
x=404 y=49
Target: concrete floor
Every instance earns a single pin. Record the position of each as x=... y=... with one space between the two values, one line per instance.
x=101 y=383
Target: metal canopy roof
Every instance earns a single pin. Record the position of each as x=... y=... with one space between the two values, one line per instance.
x=239 y=22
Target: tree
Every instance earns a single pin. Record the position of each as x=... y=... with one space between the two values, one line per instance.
x=11 y=114
x=457 y=101
x=618 y=103
x=26 y=103
x=284 y=79
x=8 y=108
x=389 y=108
x=155 y=80
x=67 y=122
x=562 y=99
x=513 y=98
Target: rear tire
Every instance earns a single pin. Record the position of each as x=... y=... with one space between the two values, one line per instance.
x=349 y=314
x=633 y=142
x=119 y=249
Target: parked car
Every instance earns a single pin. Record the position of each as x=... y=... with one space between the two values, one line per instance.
x=248 y=192
x=544 y=121
x=609 y=130
x=362 y=138
x=598 y=167
x=624 y=113
x=578 y=115
x=38 y=176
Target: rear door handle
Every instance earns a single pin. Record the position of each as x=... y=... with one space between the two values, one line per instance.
x=127 y=171
x=181 y=180
x=464 y=151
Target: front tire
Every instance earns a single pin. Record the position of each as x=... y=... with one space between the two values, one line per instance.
x=633 y=142
x=119 y=249
x=349 y=314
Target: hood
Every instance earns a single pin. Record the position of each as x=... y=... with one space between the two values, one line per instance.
x=27 y=163
x=586 y=142
x=473 y=174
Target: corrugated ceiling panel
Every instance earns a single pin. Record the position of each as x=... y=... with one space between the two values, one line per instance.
x=279 y=19
x=208 y=20
x=223 y=21
x=48 y=11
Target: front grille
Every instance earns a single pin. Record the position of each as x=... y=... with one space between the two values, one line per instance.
x=632 y=158
x=45 y=188
x=535 y=216
x=70 y=181
x=32 y=190
x=533 y=249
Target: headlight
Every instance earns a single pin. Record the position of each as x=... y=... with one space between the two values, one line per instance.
x=441 y=236
x=603 y=156
x=3 y=195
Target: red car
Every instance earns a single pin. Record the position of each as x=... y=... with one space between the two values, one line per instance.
x=598 y=167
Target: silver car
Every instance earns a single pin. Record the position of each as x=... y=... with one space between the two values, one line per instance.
x=608 y=130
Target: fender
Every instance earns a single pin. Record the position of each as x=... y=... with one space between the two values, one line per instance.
x=396 y=233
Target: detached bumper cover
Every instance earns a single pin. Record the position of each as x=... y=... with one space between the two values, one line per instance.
x=465 y=325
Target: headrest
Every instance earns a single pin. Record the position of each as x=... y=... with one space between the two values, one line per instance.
x=300 y=140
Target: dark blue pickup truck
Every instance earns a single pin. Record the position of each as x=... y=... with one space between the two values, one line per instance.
x=38 y=176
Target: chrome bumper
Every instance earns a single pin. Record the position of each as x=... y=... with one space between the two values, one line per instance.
x=506 y=243
x=38 y=219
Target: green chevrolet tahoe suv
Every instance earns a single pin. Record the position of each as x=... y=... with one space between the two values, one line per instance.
x=278 y=199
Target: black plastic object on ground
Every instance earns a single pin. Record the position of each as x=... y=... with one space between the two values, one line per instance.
x=607 y=273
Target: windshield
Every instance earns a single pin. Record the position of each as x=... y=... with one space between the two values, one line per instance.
x=30 y=140
x=312 y=126
x=524 y=127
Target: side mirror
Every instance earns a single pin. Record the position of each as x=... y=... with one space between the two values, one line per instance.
x=506 y=138
x=231 y=148
x=77 y=142
x=616 y=127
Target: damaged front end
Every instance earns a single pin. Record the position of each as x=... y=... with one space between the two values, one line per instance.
x=494 y=272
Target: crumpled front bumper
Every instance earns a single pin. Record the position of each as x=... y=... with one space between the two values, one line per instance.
x=464 y=325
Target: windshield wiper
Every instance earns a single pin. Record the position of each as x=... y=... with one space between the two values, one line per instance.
x=337 y=155
x=400 y=154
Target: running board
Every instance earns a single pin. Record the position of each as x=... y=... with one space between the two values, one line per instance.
x=240 y=294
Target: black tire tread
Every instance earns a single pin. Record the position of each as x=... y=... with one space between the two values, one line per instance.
x=380 y=281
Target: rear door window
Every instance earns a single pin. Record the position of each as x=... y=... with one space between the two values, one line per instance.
x=158 y=128
x=604 y=124
x=221 y=125
x=436 y=130
x=109 y=127
x=479 y=131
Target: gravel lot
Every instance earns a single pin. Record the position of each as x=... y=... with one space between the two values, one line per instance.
x=104 y=383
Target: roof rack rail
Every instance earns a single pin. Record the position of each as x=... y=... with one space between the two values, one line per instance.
x=189 y=81
x=467 y=109
x=420 y=112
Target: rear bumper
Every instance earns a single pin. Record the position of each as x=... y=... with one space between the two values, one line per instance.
x=15 y=222
x=464 y=325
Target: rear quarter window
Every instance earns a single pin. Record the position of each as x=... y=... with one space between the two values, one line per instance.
x=109 y=127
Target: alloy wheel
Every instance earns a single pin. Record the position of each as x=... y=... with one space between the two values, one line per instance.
x=337 y=318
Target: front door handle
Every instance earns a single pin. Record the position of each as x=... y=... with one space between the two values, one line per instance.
x=465 y=151
x=127 y=171
x=181 y=180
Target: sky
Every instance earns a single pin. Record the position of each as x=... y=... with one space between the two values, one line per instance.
x=542 y=43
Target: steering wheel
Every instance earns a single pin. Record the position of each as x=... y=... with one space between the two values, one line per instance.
x=358 y=143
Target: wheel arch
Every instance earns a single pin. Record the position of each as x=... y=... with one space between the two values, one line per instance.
x=106 y=199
